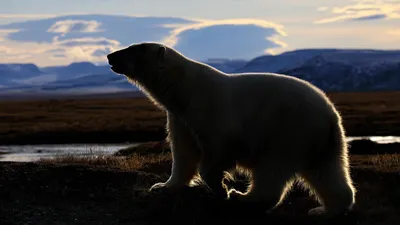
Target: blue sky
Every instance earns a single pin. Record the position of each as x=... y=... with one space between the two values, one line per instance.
x=292 y=24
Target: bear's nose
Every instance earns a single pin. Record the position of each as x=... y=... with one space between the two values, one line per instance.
x=111 y=58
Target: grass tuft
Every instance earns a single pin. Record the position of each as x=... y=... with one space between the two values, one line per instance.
x=387 y=162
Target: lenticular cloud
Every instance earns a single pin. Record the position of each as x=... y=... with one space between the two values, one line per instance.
x=66 y=39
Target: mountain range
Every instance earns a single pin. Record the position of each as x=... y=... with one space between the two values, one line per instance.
x=329 y=69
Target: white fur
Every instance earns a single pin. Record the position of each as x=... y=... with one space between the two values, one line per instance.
x=276 y=127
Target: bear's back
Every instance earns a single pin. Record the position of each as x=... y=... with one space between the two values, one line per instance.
x=275 y=94
x=275 y=86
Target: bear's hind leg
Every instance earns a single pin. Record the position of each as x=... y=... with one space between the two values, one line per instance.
x=212 y=171
x=270 y=182
x=333 y=188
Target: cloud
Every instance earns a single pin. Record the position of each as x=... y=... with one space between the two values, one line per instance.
x=322 y=8
x=364 y=10
x=233 y=38
x=55 y=52
x=82 y=26
x=125 y=29
x=70 y=38
x=85 y=41
x=172 y=39
x=371 y=17
x=394 y=32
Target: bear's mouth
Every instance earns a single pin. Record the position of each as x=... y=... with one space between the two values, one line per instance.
x=116 y=69
x=120 y=69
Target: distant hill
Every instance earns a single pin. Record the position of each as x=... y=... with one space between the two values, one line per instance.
x=329 y=69
x=274 y=63
x=350 y=70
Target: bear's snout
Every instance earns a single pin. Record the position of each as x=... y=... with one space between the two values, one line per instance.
x=117 y=65
x=111 y=58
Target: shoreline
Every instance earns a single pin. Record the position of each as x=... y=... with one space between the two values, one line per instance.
x=66 y=138
x=121 y=137
x=29 y=154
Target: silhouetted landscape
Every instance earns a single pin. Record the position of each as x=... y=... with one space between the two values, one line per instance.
x=57 y=89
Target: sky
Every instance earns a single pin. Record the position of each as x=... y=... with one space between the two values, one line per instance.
x=276 y=26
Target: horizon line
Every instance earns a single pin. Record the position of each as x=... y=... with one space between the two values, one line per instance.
x=232 y=59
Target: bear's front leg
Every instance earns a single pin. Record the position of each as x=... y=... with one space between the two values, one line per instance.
x=185 y=156
x=183 y=171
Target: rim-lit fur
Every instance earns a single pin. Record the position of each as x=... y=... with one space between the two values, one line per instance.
x=277 y=128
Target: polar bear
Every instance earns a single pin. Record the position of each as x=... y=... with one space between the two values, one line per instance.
x=276 y=127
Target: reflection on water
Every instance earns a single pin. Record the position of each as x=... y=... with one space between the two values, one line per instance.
x=29 y=153
x=378 y=139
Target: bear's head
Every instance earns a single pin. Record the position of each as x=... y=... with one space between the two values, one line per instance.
x=138 y=60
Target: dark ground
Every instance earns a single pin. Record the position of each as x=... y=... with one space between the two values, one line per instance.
x=70 y=191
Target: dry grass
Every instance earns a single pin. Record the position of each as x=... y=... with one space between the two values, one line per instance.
x=141 y=161
x=386 y=162
x=120 y=119
x=131 y=163
x=80 y=120
x=369 y=113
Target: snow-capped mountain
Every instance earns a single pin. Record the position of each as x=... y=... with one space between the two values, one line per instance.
x=14 y=74
x=350 y=70
x=329 y=69
x=292 y=59
x=274 y=63
x=78 y=78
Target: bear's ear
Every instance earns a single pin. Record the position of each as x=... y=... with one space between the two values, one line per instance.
x=161 y=52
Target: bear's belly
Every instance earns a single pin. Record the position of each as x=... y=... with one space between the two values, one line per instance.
x=246 y=151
